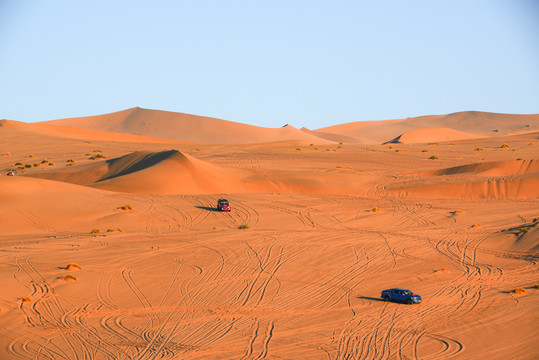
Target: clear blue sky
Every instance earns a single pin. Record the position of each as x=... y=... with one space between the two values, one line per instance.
x=268 y=62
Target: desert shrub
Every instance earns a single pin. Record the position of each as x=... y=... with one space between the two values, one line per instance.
x=95 y=231
x=19 y=164
x=73 y=266
x=110 y=230
x=119 y=230
x=51 y=164
x=31 y=155
x=338 y=147
x=70 y=160
x=519 y=159
x=328 y=149
x=523 y=231
x=68 y=277
x=316 y=148
x=398 y=150
x=37 y=164
x=27 y=165
x=97 y=151
x=456 y=212
x=433 y=157
x=424 y=150
x=536 y=219
x=476 y=225
x=391 y=147
x=126 y=207
x=530 y=144
x=375 y=209
x=26 y=299
x=478 y=149
x=433 y=143
x=518 y=291
x=340 y=143
x=97 y=156
x=536 y=286
x=44 y=161
x=243 y=227
x=504 y=146
x=298 y=149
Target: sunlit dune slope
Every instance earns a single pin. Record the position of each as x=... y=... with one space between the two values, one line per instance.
x=20 y=130
x=185 y=127
x=517 y=179
x=484 y=124
x=425 y=135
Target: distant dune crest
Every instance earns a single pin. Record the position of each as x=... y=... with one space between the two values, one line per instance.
x=200 y=129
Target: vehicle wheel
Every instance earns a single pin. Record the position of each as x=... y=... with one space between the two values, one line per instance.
x=387 y=298
x=409 y=302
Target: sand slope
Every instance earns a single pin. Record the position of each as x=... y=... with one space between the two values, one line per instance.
x=185 y=127
x=294 y=270
x=475 y=123
x=517 y=179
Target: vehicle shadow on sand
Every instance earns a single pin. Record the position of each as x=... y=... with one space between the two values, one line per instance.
x=370 y=298
x=207 y=208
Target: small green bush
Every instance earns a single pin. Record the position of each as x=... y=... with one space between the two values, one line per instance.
x=433 y=157
x=243 y=227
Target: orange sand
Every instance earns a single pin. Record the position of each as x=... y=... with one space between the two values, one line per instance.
x=175 y=279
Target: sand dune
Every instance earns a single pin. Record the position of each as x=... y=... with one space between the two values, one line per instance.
x=295 y=269
x=476 y=123
x=185 y=127
x=516 y=179
x=426 y=135
x=12 y=128
x=173 y=172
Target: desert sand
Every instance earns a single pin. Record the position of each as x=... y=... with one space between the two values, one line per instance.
x=112 y=247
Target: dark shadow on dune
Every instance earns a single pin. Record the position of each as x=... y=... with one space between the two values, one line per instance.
x=135 y=162
x=370 y=298
x=207 y=208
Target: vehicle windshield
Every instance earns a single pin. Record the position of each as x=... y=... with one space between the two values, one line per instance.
x=224 y=202
x=407 y=292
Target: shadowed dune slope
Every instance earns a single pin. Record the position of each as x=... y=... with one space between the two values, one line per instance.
x=185 y=127
x=477 y=123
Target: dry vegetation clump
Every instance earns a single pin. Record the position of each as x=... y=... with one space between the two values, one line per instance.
x=391 y=147
x=97 y=151
x=97 y=156
x=398 y=150
x=476 y=225
x=27 y=165
x=478 y=149
x=375 y=209
x=504 y=146
x=31 y=155
x=68 y=277
x=298 y=149
x=51 y=164
x=518 y=291
x=433 y=157
x=73 y=266
x=523 y=231
x=424 y=150
x=455 y=212
x=18 y=164
x=70 y=160
x=243 y=227
x=126 y=207
x=535 y=220
x=95 y=231
x=26 y=299
x=530 y=144
x=433 y=143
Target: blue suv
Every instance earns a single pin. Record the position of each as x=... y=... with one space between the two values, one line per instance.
x=401 y=295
